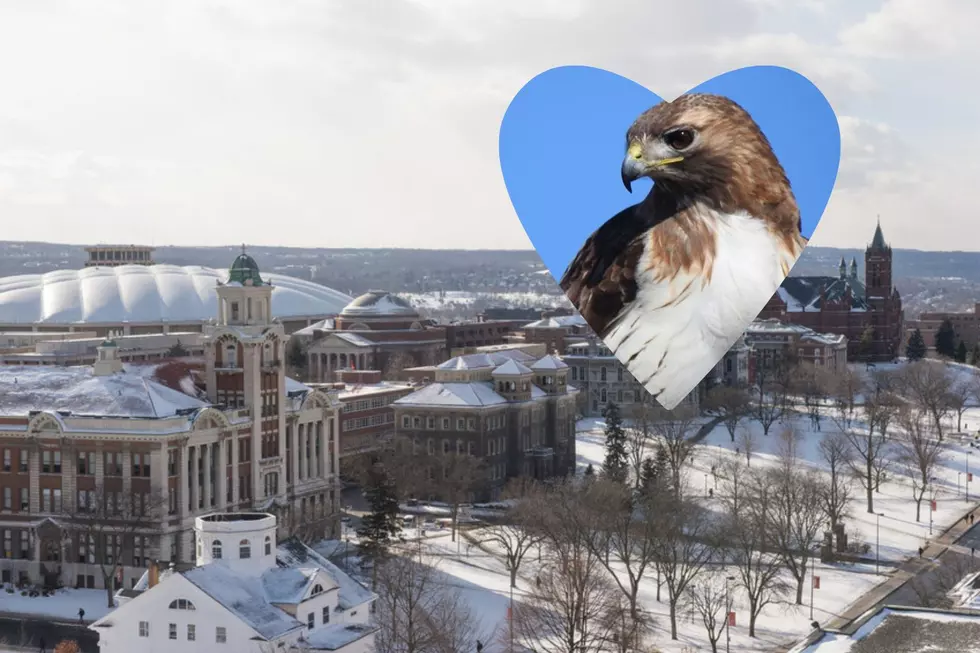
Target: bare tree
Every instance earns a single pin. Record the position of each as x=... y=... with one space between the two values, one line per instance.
x=918 y=453
x=770 y=398
x=880 y=404
x=797 y=517
x=516 y=536
x=750 y=545
x=455 y=478
x=709 y=599
x=842 y=389
x=685 y=543
x=869 y=460
x=110 y=527
x=746 y=442
x=959 y=402
x=835 y=490
x=730 y=404
x=674 y=428
x=395 y=364
x=419 y=612
x=808 y=383
x=639 y=434
x=928 y=384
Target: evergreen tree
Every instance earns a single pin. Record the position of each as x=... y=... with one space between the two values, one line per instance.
x=946 y=340
x=866 y=343
x=380 y=526
x=916 y=348
x=655 y=473
x=177 y=351
x=616 y=465
x=961 y=352
x=296 y=354
x=648 y=476
x=590 y=472
x=975 y=355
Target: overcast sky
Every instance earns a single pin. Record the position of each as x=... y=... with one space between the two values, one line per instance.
x=370 y=123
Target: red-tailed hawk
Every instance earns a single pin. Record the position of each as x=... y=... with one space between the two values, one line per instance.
x=672 y=282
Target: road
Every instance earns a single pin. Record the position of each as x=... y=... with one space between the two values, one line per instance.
x=26 y=632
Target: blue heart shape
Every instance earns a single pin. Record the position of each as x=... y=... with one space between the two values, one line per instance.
x=563 y=137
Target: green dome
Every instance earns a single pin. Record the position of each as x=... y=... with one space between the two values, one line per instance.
x=243 y=270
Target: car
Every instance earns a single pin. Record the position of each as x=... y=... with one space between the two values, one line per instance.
x=345 y=520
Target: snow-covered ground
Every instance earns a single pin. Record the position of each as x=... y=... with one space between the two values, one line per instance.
x=451 y=299
x=63 y=604
x=484 y=581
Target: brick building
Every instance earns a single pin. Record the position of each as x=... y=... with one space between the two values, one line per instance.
x=515 y=412
x=868 y=313
x=557 y=332
x=966 y=327
x=771 y=339
x=156 y=446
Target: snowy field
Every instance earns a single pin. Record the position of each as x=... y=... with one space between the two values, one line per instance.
x=455 y=299
x=62 y=605
x=483 y=578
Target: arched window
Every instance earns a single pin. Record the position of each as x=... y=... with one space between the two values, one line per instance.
x=244 y=549
x=317 y=589
x=216 y=549
x=181 y=604
x=268 y=545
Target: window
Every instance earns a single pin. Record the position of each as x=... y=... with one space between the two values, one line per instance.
x=23 y=459
x=7 y=460
x=268 y=545
x=216 y=549
x=220 y=634
x=406 y=421
x=173 y=631
x=244 y=550
x=191 y=633
x=7 y=498
x=602 y=373
x=144 y=629
x=181 y=604
x=25 y=500
x=310 y=620
x=445 y=423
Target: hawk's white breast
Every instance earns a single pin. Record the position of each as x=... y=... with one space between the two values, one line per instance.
x=670 y=348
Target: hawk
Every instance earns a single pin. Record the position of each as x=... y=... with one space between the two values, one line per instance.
x=671 y=283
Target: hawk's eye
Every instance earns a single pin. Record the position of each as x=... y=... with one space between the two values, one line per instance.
x=679 y=139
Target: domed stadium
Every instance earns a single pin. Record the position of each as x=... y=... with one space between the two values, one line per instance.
x=137 y=299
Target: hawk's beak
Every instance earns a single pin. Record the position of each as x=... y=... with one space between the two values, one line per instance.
x=634 y=165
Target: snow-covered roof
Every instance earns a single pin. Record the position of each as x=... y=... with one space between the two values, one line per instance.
x=338 y=636
x=453 y=394
x=548 y=363
x=483 y=361
x=245 y=597
x=807 y=294
x=146 y=294
x=558 y=322
x=354 y=339
x=378 y=303
x=775 y=327
x=512 y=367
x=77 y=390
x=325 y=324
x=293 y=553
x=288 y=585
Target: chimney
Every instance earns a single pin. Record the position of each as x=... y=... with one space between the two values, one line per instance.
x=154 y=573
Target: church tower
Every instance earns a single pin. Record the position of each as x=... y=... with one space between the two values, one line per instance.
x=883 y=299
x=244 y=352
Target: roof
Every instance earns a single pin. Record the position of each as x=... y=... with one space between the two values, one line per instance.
x=803 y=294
x=478 y=393
x=377 y=303
x=512 y=367
x=245 y=597
x=558 y=322
x=77 y=390
x=322 y=325
x=288 y=585
x=146 y=294
x=293 y=553
x=483 y=361
x=549 y=362
x=878 y=241
x=338 y=636
x=904 y=630
x=245 y=270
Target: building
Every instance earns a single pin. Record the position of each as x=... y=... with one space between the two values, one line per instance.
x=557 y=332
x=144 y=450
x=771 y=340
x=514 y=412
x=425 y=373
x=522 y=315
x=105 y=256
x=463 y=336
x=601 y=378
x=736 y=367
x=245 y=593
x=76 y=349
x=897 y=628
x=868 y=313
x=376 y=331
x=140 y=299
x=966 y=327
x=367 y=416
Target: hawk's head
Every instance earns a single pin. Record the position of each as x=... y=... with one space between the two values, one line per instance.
x=699 y=143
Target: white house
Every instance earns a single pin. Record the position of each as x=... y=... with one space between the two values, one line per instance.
x=246 y=594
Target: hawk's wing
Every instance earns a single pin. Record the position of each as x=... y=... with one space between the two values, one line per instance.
x=600 y=281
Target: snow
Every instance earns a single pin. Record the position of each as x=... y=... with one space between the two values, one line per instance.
x=78 y=391
x=146 y=294
x=549 y=362
x=350 y=593
x=510 y=368
x=334 y=637
x=483 y=361
x=458 y=300
x=243 y=596
x=63 y=604
x=559 y=322
x=287 y=585
x=792 y=305
x=840 y=643
x=453 y=394
x=377 y=303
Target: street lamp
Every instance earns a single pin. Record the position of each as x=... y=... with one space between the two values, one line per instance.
x=967 y=486
x=705 y=485
x=878 y=517
x=728 y=614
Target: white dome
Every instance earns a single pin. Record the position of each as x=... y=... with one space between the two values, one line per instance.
x=146 y=294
